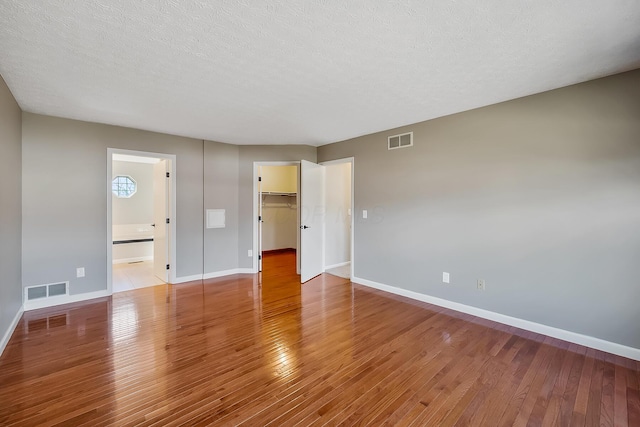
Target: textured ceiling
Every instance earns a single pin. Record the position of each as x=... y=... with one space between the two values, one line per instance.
x=301 y=72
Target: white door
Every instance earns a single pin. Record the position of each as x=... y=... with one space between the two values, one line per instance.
x=160 y=217
x=312 y=214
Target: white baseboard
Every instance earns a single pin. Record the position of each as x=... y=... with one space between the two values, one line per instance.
x=213 y=275
x=136 y=259
x=185 y=279
x=10 y=329
x=573 y=337
x=63 y=299
x=220 y=273
x=340 y=264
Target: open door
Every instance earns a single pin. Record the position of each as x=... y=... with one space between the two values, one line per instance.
x=161 y=220
x=312 y=214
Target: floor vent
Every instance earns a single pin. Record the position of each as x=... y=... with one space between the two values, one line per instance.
x=400 y=141
x=46 y=291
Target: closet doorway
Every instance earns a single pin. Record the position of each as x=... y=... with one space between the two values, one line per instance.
x=278 y=218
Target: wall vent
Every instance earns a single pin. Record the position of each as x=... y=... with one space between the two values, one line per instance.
x=46 y=291
x=402 y=140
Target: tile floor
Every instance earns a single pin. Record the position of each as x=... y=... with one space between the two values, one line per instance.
x=342 y=271
x=127 y=277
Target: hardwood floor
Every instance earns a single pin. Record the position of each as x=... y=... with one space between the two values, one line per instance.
x=255 y=351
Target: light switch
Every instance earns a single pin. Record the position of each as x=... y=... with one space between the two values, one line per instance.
x=364 y=214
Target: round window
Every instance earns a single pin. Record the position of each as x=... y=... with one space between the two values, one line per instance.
x=123 y=186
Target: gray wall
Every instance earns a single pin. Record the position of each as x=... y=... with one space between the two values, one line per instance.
x=248 y=155
x=221 y=192
x=539 y=196
x=65 y=194
x=10 y=208
x=137 y=209
x=64 y=198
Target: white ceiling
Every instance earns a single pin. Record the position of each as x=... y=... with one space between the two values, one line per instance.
x=301 y=72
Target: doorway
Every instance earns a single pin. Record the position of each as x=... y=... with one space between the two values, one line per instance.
x=313 y=185
x=278 y=218
x=140 y=213
x=339 y=218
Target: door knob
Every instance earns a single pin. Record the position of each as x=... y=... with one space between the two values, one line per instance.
x=303 y=227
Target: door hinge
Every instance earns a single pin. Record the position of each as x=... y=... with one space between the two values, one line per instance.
x=168 y=175
x=167 y=266
x=259 y=179
x=259 y=257
x=260 y=218
x=168 y=221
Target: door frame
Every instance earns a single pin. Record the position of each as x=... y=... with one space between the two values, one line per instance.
x=172 y=210
x=353 y=196
x=255 y=193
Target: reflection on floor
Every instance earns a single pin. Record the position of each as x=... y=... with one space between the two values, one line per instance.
x=342 y=271
x=280 y=264
x=127 y=277
x=235 y=350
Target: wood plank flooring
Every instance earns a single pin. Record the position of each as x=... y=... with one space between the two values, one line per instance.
x=260 y=350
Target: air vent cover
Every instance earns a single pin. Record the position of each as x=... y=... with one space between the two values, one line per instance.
x=57 y=289
x=400 y=141
x=36 y=292
x=46 y=291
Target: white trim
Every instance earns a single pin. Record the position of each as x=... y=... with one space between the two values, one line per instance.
x=228 y=273
x=573 y=337
x=212 y=275
x=185 y=279
x=340 y=264
x=10 y=329
x=64 y=299
x=351 y=160
x=135 y=259
x=337 y=161
x=173 y=196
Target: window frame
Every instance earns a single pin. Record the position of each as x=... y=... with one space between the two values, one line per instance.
x=117 y=192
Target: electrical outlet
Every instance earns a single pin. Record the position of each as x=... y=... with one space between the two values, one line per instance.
x=445 y=277
x=250 y=253
x=481 y=285
x=80 y=272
